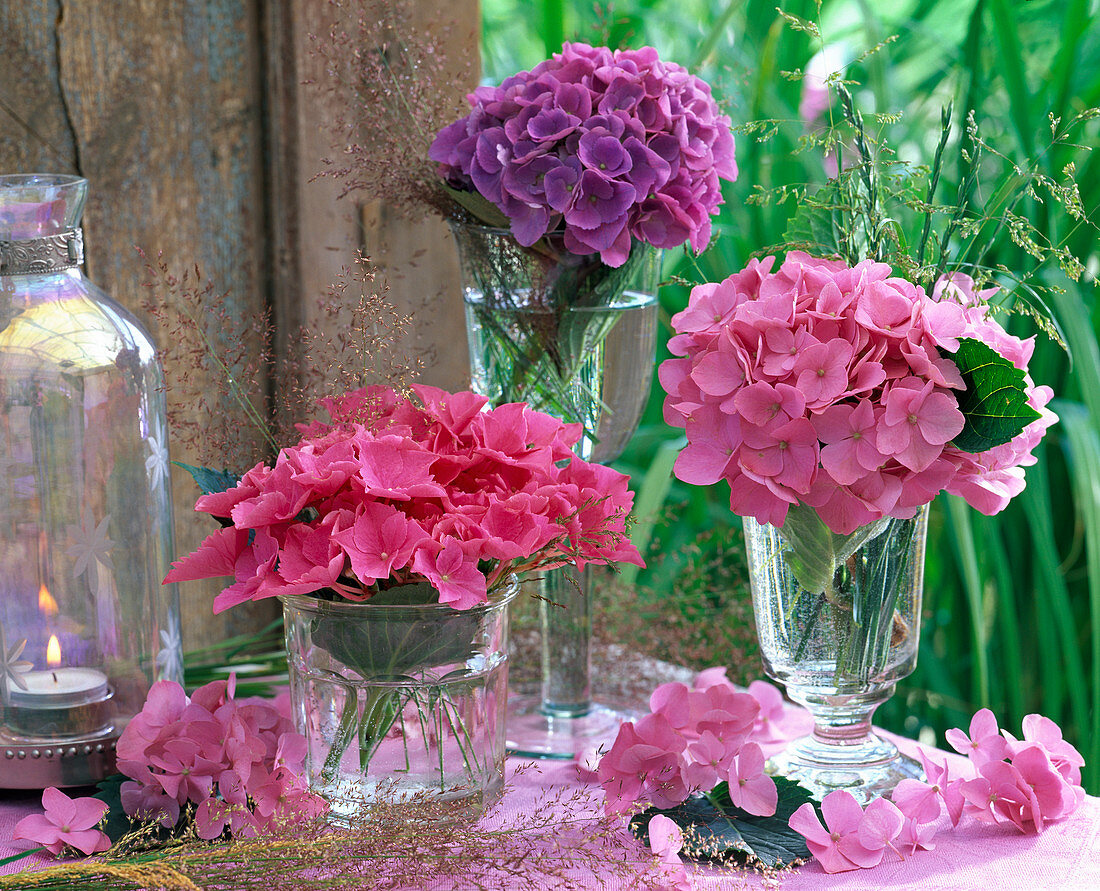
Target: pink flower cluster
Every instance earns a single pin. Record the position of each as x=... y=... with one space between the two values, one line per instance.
x=693 y=739
x=825 y=385
x=442 y=491
x=609 y=146
x=1027 y=782
x=239 y=761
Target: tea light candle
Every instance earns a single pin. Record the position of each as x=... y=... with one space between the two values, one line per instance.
x=59 y=687
x=58 y=702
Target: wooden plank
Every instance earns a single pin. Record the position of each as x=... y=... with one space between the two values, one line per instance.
x=158 y=105
x=35 y=133
x=418 y=259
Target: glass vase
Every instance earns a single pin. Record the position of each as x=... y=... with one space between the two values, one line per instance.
x=838 y=617
x=400 y=700
x=86 y=534
x=574 y=338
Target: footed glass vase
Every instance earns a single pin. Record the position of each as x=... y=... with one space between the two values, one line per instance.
x=401 y=699
x=574 y=338
x=838 y=617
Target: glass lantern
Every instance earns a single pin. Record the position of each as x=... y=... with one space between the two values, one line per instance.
x=85 y=513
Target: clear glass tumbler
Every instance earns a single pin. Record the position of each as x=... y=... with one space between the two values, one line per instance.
x=400 y=702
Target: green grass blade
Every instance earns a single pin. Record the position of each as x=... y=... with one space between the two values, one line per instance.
x=714 y=34
x=1007 y=34
x=652 y=493
x=972 y=51
x=876 y=64
x=1083 y=446
x=552 y=16
x=1008 y=673
x=1077 y=325
x=1060 y=661
x=966 y=553
x=1076 y=25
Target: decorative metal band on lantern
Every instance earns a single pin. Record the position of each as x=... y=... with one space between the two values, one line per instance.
x=51 y=253
x=86 y=537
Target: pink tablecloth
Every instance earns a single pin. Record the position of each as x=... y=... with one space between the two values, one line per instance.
x=974 y=857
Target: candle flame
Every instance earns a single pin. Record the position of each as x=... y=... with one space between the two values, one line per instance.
x=53 y=652
x=46 y=604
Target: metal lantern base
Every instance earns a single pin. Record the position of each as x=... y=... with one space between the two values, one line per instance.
x=31 y=764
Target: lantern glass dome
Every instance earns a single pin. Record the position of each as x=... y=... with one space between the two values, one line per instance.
x=85 y=513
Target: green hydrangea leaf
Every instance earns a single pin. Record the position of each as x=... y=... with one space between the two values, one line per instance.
x=109 y=790
x=994 y=402
x=407 y=641
x=813 y=552
x=716 y=831
x=482 y=209
x=116 y=823
x=808 y=548
x=210 y=480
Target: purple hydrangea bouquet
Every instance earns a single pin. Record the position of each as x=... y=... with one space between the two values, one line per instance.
x=603 y=149
x=569 y=176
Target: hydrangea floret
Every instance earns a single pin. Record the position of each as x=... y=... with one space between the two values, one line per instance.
x=698 y=737
x=604 y=146
x=398 y=490
x=66 y=824
x=666 y=840
x=834 y=386
x=693 y=739
x=238 y=762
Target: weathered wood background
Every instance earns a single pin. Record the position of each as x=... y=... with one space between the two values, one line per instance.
x=192 y=122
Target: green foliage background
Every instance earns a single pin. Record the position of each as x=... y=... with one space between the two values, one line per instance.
x=1012 y=602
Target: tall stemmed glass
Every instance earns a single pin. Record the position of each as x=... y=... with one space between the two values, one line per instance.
x=574 y=338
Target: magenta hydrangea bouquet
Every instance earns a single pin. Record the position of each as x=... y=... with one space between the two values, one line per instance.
x=393 y=535
x=604 y=147
x=396 y=490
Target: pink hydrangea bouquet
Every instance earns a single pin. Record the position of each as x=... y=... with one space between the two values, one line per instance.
x=397 y=506
x=851 y=391
x=837 y=400
x=398 y=490
x=604 y=147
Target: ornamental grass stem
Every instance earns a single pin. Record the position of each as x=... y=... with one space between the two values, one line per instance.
x=934 y=179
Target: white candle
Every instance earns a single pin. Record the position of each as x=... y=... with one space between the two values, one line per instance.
x=59 y=703
x=59 y=687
